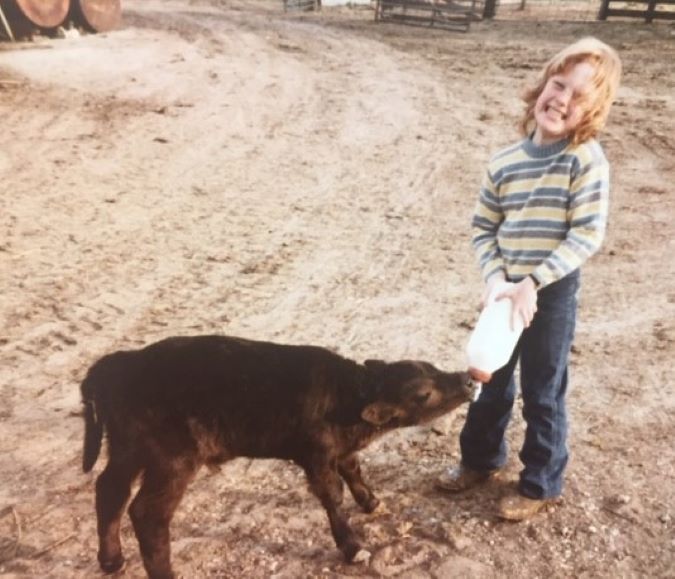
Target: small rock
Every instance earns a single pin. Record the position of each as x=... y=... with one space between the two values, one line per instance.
x=363 y=556
x=455 y=540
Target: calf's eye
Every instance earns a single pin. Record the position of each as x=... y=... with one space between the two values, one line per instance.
x=422 y=397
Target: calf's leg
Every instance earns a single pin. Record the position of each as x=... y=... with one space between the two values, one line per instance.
x=152 y=509
x=326 y=484
x=349 y=468
x=113 y=488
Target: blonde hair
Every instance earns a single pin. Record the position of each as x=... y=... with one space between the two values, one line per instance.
x=605 y=84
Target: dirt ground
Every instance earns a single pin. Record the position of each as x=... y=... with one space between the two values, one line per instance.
x=225 y=167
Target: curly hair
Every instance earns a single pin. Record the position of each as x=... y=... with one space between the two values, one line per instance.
x=605 y=81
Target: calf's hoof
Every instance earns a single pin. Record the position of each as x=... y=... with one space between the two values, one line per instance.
x=369 y=505
x=113 y=565
x=354 y=553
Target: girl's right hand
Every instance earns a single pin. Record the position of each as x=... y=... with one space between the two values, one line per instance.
x=493 y=286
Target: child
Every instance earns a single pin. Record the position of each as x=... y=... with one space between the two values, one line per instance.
x=541 y=214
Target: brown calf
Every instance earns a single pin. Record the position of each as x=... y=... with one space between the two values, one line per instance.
x=184 y=402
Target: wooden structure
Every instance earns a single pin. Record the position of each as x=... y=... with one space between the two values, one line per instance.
x=303 y=5
x=449 y=14
x=20 y=17
x=651 y=9
x=5 y=25
x=96 y=15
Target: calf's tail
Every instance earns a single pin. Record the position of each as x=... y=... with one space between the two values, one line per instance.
x=93 y=436
x=93 y=426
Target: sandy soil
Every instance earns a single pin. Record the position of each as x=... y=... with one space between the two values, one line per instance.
x=223 y=167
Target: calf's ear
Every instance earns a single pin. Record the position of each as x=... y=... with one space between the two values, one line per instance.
x=379 y=413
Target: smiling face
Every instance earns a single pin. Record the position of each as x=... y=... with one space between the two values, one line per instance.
x=562 y=103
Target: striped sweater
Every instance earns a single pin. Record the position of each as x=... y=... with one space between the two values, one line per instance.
x=542 y=210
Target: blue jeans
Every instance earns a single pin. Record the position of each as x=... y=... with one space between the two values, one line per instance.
x=543 y=351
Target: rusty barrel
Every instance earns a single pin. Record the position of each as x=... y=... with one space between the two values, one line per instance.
x=26 y=14
x=96 y=15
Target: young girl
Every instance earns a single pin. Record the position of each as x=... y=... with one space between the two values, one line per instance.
x=541 y=214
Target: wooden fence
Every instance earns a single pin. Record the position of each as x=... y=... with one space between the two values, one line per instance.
x=302 y=4
x=654 y=9
x=450 y=14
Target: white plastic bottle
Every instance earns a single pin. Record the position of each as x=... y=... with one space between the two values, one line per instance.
x=493 y=339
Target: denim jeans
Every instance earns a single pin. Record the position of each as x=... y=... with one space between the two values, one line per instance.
x=543 y=351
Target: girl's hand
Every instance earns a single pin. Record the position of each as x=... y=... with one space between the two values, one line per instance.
x=492 y=286
x=524 y=297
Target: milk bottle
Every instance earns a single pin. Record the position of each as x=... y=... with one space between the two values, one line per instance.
x=493 y=339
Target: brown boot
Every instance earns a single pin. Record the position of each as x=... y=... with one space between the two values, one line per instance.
x=518 y=507
x=462 y=478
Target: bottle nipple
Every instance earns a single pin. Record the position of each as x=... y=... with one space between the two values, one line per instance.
x=480 y=375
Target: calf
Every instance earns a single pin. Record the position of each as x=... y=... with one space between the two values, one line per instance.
x=184 y=402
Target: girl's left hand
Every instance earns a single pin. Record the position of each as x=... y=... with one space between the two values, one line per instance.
x=524 y=297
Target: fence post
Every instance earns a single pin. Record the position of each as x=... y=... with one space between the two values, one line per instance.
x=604 y=8
x=651 y=8
x=490 y=9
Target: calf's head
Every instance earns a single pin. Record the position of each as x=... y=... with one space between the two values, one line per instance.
x=408 y=393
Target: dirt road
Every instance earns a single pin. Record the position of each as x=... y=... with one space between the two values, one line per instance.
x=223 y=167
